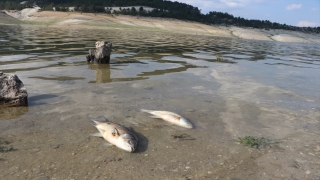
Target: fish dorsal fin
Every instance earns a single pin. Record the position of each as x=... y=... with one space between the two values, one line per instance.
x=97 y=120
x=127 y=127
x=115 y=132
x=172 y=114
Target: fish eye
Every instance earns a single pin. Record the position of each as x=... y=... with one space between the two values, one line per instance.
x=131 y=142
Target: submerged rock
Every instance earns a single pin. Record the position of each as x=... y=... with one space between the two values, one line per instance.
x=101 y=54
x=12 y=90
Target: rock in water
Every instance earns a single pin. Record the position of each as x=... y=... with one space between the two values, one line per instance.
x=101 y=54
x=12 y=90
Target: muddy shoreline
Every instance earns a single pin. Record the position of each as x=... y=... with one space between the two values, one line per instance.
x=52 y=140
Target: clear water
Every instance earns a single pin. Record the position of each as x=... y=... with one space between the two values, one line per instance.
x=257 y=88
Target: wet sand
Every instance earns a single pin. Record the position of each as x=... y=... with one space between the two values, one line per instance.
x=52 y=140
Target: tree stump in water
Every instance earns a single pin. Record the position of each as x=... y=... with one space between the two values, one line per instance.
x=101 y=54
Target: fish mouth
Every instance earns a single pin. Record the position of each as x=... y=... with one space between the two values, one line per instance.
x=128 y=149
x=132 y=149
x=186 y=123
x=127 y=142
x=190 y=126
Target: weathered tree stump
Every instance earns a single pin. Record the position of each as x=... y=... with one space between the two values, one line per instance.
x=12 y=90
x=101 y=54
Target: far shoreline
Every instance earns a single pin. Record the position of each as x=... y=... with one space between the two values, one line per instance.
x=31 y=16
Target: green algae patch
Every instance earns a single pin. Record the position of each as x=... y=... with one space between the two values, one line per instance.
x=256 y=142
x=5 y=146
x=60 y=78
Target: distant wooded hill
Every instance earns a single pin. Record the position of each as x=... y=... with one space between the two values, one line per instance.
x=162 y=8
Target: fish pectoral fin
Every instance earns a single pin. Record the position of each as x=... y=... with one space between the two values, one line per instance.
x=106 y=144
x=115 y=132
x=96 y=134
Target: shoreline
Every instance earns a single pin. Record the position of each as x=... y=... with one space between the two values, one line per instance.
x=31 y=16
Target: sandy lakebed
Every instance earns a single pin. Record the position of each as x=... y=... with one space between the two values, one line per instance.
x=265 y=84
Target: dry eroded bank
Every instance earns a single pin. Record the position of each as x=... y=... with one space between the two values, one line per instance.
x=105 y=21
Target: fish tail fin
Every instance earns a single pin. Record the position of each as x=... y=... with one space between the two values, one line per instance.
x=151 y=112
x=95 y=121
x=145 y=110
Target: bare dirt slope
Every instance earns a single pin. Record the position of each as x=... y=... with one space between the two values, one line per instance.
x=90 y=20
x=6 y=19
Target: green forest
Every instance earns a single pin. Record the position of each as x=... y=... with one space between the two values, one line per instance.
x=162 y=8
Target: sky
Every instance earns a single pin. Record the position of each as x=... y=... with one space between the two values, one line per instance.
x=302 y=13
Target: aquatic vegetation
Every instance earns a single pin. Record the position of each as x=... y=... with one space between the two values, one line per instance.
x=4 y=146
x=256 y=142
x=183 y=136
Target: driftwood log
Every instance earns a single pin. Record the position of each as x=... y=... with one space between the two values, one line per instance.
x=101 y=54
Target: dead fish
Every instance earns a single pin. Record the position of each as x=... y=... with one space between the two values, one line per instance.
x=170 y=117
x=116 y=134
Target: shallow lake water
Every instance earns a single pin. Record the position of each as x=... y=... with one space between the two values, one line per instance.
x=227 y=87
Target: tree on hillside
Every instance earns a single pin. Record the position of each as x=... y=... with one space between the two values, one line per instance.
x=49 y=7
x=133 y=11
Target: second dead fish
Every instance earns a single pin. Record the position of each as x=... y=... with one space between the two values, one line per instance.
x=170 y=117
